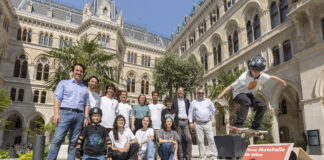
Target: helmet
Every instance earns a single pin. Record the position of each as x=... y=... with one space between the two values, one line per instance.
x=257 y=63
x=95 y=110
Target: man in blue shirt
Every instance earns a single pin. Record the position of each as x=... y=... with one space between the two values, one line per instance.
x=200 y=117
x=71 y=110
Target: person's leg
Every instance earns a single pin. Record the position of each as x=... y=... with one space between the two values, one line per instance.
x=200 y=140
x=261 y=108
x=164 y=150
x=180 y=146
x=133 y=150
x=245 y=103
x=150 y=150
x=60 y=133
x=156 y=143
x=143 y=155
x=188 y=140
x=138 y=124
x=75 y=130
x=119 y=155
x=210 y=138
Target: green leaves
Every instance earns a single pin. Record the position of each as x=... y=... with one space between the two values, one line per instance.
x=171 y=72
x=5 y=100
x=86 y=52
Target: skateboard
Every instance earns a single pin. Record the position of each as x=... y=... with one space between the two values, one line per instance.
x=243 y=133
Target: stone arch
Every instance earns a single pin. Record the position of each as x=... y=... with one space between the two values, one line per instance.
x=319 y=86
x=33 y=125
x=203 y=49
x=13 y=128
x=231 y=26
x=33 y=116
x=250 y=10
x=132 y=71
x=215 y=38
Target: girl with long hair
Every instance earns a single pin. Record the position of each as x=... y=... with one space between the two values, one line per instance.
x=139 y=111
x=145 y=137
x=168 y=140
x=124 y=143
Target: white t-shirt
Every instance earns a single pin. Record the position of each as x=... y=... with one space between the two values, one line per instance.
x=123 y=137
x=109 y=111
x=125 y=110
x=142 y=136
x=94 y=99
x=247 y=84
x=182 y=109
x=156 y=110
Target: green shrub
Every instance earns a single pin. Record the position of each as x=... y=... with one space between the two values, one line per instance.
x=26 y=156
x=4 y=154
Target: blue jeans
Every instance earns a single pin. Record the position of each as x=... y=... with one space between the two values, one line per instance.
x=69 y=120
x=166 y=151
x=85 y=157
x=149 y=153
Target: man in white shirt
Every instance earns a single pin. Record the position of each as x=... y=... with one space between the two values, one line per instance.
x=200 y=117
x=156 y=109
x=124 y=109
x=108 y=105
x=181 y=106
x=93 y=96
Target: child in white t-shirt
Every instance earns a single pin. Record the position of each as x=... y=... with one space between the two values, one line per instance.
x=124 y=143
x=243 y=89
x=145 y=137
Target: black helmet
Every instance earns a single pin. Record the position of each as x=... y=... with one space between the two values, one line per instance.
x=257 y=63
x=95 y=110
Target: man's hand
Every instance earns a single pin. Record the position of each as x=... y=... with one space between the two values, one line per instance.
x=121 y=150
x=56 y=119
x=219 y=97
x=191 y=126
x=108 y=158
x=77 y=158
x=85 y=122
x=216 y=112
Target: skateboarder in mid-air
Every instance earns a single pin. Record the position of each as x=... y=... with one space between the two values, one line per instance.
x=243 y=89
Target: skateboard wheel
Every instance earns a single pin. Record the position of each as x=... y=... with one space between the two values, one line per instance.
x=242 y=135
x=262 y=137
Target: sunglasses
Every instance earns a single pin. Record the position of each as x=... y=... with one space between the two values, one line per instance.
x=201 y=93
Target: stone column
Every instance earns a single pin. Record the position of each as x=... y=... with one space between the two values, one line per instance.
x=275 y=126
x=24 y=135
x=266 y=20
x=1 y=137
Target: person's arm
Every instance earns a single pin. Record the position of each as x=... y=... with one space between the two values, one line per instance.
x=212 y=108
x=228 y=88
x=191 y=124
x=275 y=78
x=161 y=141
x=57 y=102
x=109 y=145
x=133 y=119
x=79 y=146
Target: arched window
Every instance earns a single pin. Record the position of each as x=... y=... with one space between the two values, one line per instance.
x=276 y=55
x=145 y=85
x=219 y=53
x=105 y=11
x=217 y=13
x=66 y=43
x=206 y=62
x=135 y=58
x=21 y=95
x=107 y=41
x=256 y=27
x=128 y=57
x=17 y=68
x=283 y=10
x=50 y=43
x=287 y=50
x=131 y=83
x=236 y=42
x=24 y=69
x=19 y=34
x=13 y=94
x=230 y=45
x=99 y=39
x=24 y=38
x=41 y=38
x=70 y=43
x=39 y=71
x=29 y=38
x=149 y=61
x=36 y=96
x=274 y=15
x=283 y=107
x=249 y=32
x=61 y=42
x=46 y=40
x=43 y=97
x=215 y=55
x=42 y=69
x=225 y=5
x=103 y=40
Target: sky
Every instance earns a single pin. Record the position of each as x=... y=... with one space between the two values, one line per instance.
x=156 y=16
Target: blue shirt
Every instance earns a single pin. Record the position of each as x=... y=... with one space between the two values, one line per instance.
x=201 y=110
x=72 y=95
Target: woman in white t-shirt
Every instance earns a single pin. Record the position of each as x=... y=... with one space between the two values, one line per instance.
x=145 y=138
x=124 y=143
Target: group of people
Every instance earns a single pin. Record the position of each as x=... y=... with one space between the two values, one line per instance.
x=106 y=128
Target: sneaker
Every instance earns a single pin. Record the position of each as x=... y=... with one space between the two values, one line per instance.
x=240 y=127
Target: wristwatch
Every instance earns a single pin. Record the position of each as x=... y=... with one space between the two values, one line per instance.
x=86 y=117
